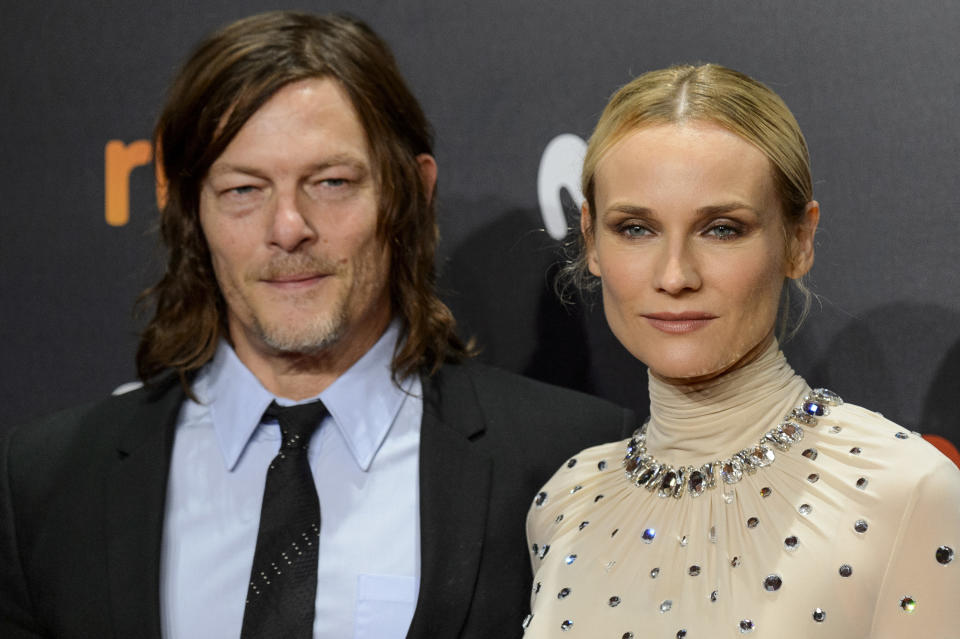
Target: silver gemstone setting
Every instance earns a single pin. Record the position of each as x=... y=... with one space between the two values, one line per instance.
x=944 y=555
x=667 y=481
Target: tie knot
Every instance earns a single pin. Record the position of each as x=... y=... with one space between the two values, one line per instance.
x=297 y=423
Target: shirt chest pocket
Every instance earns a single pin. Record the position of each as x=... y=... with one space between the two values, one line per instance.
x=385 y=605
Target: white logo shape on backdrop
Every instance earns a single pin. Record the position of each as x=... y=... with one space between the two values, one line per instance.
x=560 y=167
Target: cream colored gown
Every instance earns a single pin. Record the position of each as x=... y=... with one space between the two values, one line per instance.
x=850 y=533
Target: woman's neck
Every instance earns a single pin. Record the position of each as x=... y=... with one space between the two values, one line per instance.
x=704 y=420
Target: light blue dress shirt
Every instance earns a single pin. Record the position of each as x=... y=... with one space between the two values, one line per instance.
x=364 y=460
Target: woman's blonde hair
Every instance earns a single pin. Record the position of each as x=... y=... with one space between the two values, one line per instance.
x=704 y=93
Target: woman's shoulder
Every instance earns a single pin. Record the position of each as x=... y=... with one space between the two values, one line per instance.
x=881 y=434
x=582 y=480
x=898 y=456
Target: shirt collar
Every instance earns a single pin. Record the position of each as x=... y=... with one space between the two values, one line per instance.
x=363 y=402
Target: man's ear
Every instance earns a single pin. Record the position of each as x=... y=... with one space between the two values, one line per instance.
x=428 y=173
x=801 y=242
x=589 y=243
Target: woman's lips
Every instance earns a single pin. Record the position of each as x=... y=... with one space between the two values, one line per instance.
x=679 y=323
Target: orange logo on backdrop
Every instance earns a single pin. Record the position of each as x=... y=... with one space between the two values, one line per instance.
x=119 y=160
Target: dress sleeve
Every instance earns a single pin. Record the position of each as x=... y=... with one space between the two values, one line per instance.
x=918 y=596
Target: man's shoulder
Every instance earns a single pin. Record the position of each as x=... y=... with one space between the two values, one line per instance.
x=88 y=425
x=503 y=392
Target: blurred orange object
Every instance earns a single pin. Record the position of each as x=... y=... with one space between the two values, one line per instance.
x=945 y=447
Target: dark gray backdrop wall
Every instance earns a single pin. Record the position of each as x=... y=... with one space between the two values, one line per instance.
x=875 y=86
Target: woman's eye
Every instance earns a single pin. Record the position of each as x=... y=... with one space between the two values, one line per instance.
x=723 y=231
x=334 y=182
x=634 y=230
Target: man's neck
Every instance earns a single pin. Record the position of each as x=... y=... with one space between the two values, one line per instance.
x=300 y=376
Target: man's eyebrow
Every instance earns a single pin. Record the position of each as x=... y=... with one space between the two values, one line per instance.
x=222 y=168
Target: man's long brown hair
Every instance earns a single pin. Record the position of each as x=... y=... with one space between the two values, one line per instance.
x=227 y=79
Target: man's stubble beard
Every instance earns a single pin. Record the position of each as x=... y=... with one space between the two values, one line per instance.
x=324 y=330
x=321 y=333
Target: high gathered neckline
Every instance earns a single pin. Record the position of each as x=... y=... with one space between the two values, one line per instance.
x=702 y=422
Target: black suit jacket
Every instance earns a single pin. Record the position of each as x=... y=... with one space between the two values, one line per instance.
x=82 y=497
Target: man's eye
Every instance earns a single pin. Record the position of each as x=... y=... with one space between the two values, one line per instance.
x=241 y=190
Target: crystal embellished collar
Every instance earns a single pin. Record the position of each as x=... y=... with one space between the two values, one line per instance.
x=643 y=469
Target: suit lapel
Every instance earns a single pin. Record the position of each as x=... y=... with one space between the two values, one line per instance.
x=454 y=496
x=135 y=506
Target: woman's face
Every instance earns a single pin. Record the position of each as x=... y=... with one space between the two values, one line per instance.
x=691 y=247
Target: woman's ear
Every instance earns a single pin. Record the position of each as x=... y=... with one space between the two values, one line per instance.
x=589 y=243
x=801 y=242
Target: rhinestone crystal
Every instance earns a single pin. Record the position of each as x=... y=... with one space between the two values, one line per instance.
x=944 y=555
x=564 y=592
x=791 y=542
x=902 y=436
x=566 y=625
x=805 y=509
x=654 y=573
x=819 y=615
x=666 y=605
x=681 y=634
x=813 y=478
x=856 y=450
x=572 y=463
x=826 y=396
x=668 y=484
x=810 y=453
x=772 y=583
x=602 y=464
x=765 y=492
x=694 y=570
x=541 y=498
x=815 y=408
x=908 y=604
x=526 y=621
x=614 y=601
x=696 y=483
x=746 y=626
x=862 y=483
x=762 y=456
x=846 y=570
x=860 y=526
x=714 y=596
x=648 y=535
x=753 y=522
x=791 y=430
x=570 y=559
x=731 y=471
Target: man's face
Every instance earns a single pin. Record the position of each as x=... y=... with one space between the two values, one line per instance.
x=289 y=211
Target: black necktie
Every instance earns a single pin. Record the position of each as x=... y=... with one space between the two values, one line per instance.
x=283 y=582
